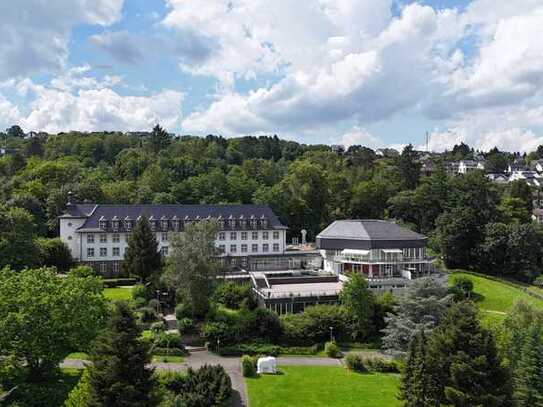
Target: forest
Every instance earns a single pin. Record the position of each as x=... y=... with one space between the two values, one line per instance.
x=471 y=222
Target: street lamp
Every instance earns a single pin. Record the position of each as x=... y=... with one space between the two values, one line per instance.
x=331 y=334
x=158 y=301
x=218 y=345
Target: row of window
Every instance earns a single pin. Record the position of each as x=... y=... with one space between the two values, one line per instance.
x=177 y=225
x=116 y=251
x=254 y=248
x=244 y=235
x=116 y=237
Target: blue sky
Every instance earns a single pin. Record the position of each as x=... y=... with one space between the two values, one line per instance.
x=372 y=72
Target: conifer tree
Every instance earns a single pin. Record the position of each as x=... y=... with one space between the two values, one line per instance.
x=119 y=376
x=463 y=362
x=416 y=384
x=159 y=139
x=142 y=257
x=528 y=376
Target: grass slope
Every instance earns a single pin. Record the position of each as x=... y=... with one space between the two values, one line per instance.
x=323 y=386
x=496 y=298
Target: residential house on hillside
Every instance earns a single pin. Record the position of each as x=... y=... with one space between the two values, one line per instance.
x=466 y=166
x=532 y=178
x=537 y=165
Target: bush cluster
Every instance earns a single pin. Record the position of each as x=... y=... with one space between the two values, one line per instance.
x=268 y=349
x=248 y=366
x=235 y=296
x=359 y=363
x=332 y=350
x=208 y=386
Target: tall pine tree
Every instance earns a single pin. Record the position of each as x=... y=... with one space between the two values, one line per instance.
x=463 y=362
x=416 y=384
x=528 y=376
x=142 y=257
x=159 y=139
x=119 y=376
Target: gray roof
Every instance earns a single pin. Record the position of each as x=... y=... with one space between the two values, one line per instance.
x=369 y=233
x=96 y=211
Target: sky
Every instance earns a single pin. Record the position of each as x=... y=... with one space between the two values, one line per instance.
x=380 y=73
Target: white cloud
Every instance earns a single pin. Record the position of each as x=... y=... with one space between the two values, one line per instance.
x=35 y=33
x=360 y=136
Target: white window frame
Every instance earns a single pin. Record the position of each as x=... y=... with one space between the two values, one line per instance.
x=90 y=238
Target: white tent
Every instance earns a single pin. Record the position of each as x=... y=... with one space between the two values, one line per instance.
x=266 y=365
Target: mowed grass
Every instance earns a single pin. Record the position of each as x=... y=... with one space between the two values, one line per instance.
x=323 y=386
x=118 y=293
x=496 y=298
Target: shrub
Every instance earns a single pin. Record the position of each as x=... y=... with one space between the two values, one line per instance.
x=377 y=364
x=147 y=314
x=462 y=287
x=248 y=367
x=154 y=304
x=186 y=326
x=183 y=310
x=169 y=340
x=538 y=281
x=313 y=325
x=332 y=350
x=157 y=327
x=217 y=330
x=235 y=296
x=139 y=294
x=268 y=349
x=355 y=362
x=208 y=386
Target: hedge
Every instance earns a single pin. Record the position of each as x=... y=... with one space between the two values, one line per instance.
x=169 y=352
x=117 y=282
x=268 y=349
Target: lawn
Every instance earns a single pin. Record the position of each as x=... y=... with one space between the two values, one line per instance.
x=167 y=359
x=118 y=293
x=496 y=298
x=323 y=386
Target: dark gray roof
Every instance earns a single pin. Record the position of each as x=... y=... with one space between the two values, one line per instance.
x=367 y=234
x=169 y=211
x=79 y=210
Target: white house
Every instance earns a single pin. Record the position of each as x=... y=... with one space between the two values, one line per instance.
x=466 y=166
x=97 y=235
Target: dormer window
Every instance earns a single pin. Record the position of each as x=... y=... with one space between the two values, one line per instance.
x=187 y=220
x=128 y=224
x=253 y=222
x=164 y=223
x=263 y=222
x=102 y=223
x=152 y=223
x=231 y=222
x=175 y=223
x=115 y=223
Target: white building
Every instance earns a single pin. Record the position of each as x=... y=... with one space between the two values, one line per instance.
x=97 y=235
x=466 y=166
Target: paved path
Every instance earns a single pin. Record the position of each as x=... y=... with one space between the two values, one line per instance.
x=231 y=365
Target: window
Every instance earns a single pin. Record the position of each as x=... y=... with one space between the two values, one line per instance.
x=164 y=225
x=103 y=268
x=265 y=235
x=233 y=248
x=103 y=251
x=116 y=267
x=102 y=224
x=265 y=247
x=90 y=238
x=69 y=224
x=90 y=252
x=255 y=235
x=222 y=248
x=276 y=235
x=222 y=235
x=243 y=235
x=115 y=238
x=164 y=237
x=115 y=225
x=128 y=225
x=233 y=235
x=69 y=238
x=254 y=248
x=164 y=250
x=276 y=247
x=244 y=248
x=116 y=252
x=103 y=238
